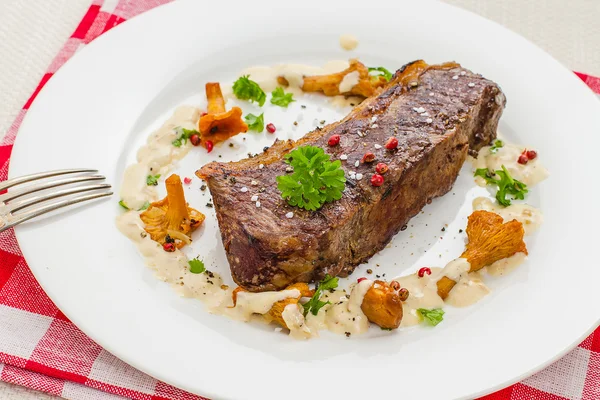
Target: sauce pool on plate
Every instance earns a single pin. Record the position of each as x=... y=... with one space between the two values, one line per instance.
x=348 y=42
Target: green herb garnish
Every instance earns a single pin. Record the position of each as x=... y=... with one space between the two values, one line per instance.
x=196 y=266
x=255 y=123
x=315 y=181
x=380 y=71
x=507 y=185
x=498 y=144
x=125 y=206
x=432 y=317
x=246 y=89
x=315 y=304
x=280 y=98
x=184 y=135
x=152 y=180
x=487 y=175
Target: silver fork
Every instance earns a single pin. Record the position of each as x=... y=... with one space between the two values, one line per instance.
x=16 y=206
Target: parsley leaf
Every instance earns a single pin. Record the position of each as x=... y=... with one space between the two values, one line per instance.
x=280 y=98
x=314 y=304
x=433 y=316
x=315 y=181
x=196 y=266
x=152 y=180
x=184 y=135
x=125 y=206
x=507 y=185
x=498 y=144
x=487 y=175
x=255 y=123
x=380 y=71
x=246 y=89
x=329 y=282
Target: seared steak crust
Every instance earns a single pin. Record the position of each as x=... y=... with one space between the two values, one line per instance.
x=267 y=251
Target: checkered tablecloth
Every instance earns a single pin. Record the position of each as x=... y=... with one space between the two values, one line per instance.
x=41 y=349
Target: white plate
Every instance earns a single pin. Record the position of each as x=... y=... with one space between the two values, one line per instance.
x=101 y=105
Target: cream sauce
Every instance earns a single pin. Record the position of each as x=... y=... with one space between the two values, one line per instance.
x=506 y=265
x=344 y=315
x=349 y=81
x=267 y=76
x=157 y=156
x=422 y=294
x=348 y=42
x=467 y=291
x=173 y=267
x=294 y=319
x=531 y=173
x=456 y=269
x=469 y=288
x=529 y=216
x=260 y=303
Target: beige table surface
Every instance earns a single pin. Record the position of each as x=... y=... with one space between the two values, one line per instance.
x=32 y=32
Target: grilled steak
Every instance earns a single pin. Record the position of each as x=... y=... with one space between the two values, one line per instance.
x=437 y=113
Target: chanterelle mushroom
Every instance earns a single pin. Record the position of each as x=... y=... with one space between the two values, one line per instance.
x=382 y=304
x=363 y=84
x=490 y=239
x=219 y=125
x=171 y=216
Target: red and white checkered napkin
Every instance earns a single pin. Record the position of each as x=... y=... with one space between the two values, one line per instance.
x=41 y=349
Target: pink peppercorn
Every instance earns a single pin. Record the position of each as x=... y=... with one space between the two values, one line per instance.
x=391 y=143
x=381 y=168
x=377 y=180
x=334 y=140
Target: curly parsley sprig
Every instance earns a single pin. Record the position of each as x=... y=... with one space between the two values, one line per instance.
x=315 y=304
x=381 y=71
x=184 y=135
x=280 y=98
x=142 y=208
x=498 y=144
x=152 y=180
x=431 y=317
x=315 y=181
x=507 y=185
x=255 y=122
x=246 y=89
x=196 y=266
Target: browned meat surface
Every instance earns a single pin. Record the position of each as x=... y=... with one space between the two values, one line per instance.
x=267 y=251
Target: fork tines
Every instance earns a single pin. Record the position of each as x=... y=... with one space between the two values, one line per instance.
x=21 y=204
